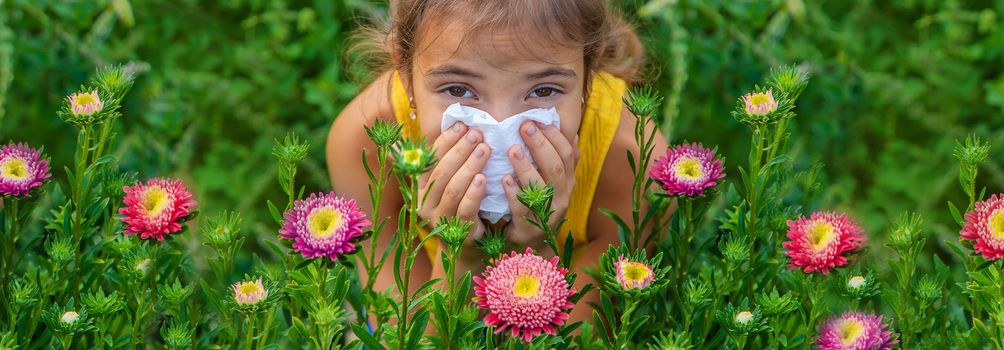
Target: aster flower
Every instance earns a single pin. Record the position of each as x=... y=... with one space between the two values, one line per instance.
x=760 y=103
x=742 y=319
x=524 y=294
x=632 y=275
x=820 y=241
x=22 y=169
x=324 y=224
x=687 y=170
x=854 y=330
x=249 y=292
x=984 y=225
x=156 y=208
x=85 y=104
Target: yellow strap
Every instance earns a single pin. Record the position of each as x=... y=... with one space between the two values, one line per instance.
x=600 y=119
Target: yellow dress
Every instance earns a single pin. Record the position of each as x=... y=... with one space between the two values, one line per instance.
x=600 y=119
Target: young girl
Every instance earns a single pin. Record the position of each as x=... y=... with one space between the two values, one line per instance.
x=504 y=58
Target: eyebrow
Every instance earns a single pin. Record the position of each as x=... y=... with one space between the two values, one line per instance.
x=550 y=72
x=453 y=70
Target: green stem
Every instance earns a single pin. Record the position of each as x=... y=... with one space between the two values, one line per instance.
x=267 y=329
x=406 y=244
x=251 y=319
x=623 y=339
x=103 y=138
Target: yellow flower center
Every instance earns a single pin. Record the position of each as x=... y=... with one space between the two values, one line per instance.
x=759 y=99
x=820 y=235
x=248 y=288
x=155 y=201
x=635 y=273
x=412 y=156
x=996 y=224
x=689 y=169
x=14 y=169
x=849 y=331
x=86 y=99
x=526 y=286
x=324 y=222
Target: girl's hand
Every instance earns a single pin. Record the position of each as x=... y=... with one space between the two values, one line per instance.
x=556 y=158
x=455 y=185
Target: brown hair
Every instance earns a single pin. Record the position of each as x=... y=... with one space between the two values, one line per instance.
x=608 y=42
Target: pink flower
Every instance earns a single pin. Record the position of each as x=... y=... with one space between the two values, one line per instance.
x=819 y=242
x=155 y=208
x=249 y=293
x=985 y=226
x=324 y=225
x=22 y=169
x=524 y=294
x=854 y=331
x=83 y=104
x=687 y=170
x=759 y=103
x=633 y=275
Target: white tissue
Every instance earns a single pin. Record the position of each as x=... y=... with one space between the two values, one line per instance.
x=500 y=136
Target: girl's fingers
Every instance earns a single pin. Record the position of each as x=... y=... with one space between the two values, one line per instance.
x=521 y=166
x=518 y=209
x=457 y=186
x=450 y=162
x=544 y=155
x=470 y=204
x=565 y=149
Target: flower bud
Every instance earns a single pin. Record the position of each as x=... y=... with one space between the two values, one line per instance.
x=222 y=230
x=643 y=102
x=384 y=134
x=100 y=304
x=492 y=244
x=929 y=288
x=774 y=303
x=452 y=230
x=412 y=158
x=60 y=249
x=177 y=335
x=174 y=294
x=536 y=196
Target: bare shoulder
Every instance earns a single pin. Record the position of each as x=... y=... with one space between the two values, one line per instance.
x=613 y=189
x=347 y=138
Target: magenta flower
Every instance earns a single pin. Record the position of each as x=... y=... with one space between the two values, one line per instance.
x=22 y=169
x=632 y=274
x=156 y=208
x=819 y=242
x=687 y=170
x=324 y=225
x=985 y=226
x=524 y=294
x=854 y=331
x=249 y=292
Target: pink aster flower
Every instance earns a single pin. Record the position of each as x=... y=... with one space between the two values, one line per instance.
x=22 y=169
x=854 y=331
x=524 y=294
x=687 y=170
x=249 y=292
x=985 y=226
x=819 y=242
x=633 y=275
x=324 y=225
x=85 y=104
x=759 y=103
x=156 y=208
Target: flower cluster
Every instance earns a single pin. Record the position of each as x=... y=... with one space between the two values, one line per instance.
x=524 y=294
x=156 y=208
x=324 y=225
x=22 y=169
x=687 y=170
x=819 y=242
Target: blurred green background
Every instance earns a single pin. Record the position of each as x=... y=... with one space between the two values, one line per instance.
x=894 y=84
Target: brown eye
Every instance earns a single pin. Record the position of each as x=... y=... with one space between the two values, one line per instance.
x=543 y=92
x=457 y=91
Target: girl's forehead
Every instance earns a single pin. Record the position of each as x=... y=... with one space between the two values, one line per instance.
x=513 y=49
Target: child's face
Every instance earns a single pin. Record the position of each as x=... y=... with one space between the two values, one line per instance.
x=501 y=73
